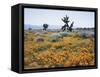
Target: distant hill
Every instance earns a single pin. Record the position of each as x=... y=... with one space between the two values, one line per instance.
x=27 y=26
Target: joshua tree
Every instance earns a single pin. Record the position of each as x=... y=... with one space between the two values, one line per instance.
x=29 y=29
x=45 y=26
x=66 y=21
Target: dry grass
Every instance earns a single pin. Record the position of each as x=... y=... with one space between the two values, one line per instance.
x=69 y=51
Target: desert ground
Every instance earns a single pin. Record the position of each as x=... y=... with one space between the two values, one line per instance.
x=50 y=49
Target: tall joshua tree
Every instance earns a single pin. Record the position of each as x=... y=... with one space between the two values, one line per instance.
x=45 y=26
x=66 y=21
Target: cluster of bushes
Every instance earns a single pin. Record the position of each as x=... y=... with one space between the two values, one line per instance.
x=55 y=37
x=39 y=39
x=86 y=34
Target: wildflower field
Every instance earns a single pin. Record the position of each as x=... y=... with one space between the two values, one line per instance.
x=49 y=49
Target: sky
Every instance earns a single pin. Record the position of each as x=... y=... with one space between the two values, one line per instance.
x=53 y=18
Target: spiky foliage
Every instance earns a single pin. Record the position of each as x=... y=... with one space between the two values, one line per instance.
x=70 y=28
x=66 y=21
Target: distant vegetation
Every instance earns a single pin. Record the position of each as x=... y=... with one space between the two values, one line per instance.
x=45 y=26
x=29 y=29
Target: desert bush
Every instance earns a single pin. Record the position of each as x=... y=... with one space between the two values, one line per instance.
x=63 y=34
x=55 y=37
x=39 y=39
x=54 y=40
x=40 y=49
x=84 y=34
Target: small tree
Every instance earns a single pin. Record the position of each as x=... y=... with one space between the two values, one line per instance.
x=45 y=26
x=29 y=29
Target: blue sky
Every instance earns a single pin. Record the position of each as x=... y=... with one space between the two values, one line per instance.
x=53 y=17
